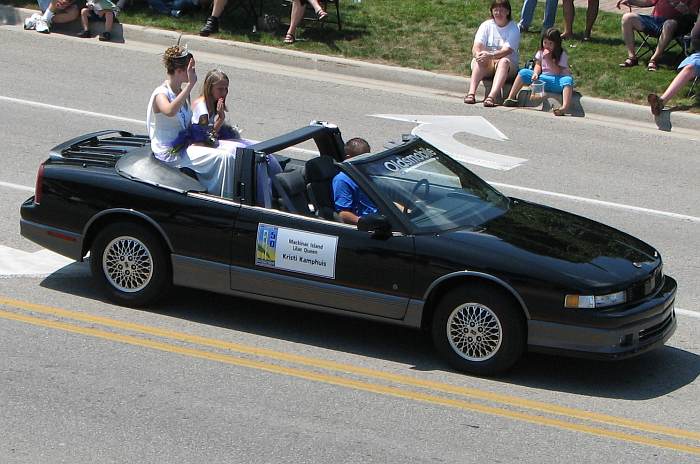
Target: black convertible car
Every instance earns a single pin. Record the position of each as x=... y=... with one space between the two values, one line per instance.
x=488 y=275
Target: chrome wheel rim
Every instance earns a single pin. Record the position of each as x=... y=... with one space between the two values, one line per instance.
x=127 y=264
x=474 y=332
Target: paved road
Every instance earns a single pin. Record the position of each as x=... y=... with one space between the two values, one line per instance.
x=206 y=378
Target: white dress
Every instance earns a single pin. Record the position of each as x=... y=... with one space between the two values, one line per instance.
x=214 y=166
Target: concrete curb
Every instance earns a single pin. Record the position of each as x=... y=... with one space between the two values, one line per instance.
x=344 y=66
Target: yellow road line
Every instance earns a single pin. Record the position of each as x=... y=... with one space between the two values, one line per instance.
x=330 y=365
x=349 y=383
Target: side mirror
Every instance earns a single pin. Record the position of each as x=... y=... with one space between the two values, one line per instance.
x=377 y=224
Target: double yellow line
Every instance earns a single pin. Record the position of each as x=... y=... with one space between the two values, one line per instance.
x=563 y=416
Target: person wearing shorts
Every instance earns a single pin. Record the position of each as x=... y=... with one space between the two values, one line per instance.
x=668 y=19
x=495 y=53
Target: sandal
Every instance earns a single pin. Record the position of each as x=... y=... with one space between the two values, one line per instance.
x=510 y=102
x=629 y=62
x=289 y=39
x=559 y=112
x=470 y=99
x=488 y=102
x=321 y=15
x=656 y=104
x=652 y=66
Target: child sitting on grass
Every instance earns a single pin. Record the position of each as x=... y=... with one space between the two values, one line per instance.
x=552 y=68
x=100 y=10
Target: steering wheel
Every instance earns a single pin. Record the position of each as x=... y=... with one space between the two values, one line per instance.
x=419 y=184
x=411 y=204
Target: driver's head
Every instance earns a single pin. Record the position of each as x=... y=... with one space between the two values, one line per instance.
x=356 y=146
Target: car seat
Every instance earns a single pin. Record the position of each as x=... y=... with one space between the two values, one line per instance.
x=320 y=172
x=292 y=189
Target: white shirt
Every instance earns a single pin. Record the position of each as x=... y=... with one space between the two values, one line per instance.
x=494 y=38
x=162 y=129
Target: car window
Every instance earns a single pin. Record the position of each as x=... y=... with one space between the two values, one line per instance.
x=432 y=190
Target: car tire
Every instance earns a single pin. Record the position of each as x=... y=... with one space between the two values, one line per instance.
x=479 y=330
x=130 y=263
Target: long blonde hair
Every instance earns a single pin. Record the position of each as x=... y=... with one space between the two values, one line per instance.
x=213 y=77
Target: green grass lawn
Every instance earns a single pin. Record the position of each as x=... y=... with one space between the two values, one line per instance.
x=435 y=35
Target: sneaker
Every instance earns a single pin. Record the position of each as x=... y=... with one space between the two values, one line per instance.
x=176 y=13
x=523 y=28
x=211 y=26
x=105 y=36
x=42 y=26
x=30 y=22
x=84 y=34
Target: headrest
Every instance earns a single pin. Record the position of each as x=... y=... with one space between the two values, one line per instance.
x=321 y=168
x=291 y=182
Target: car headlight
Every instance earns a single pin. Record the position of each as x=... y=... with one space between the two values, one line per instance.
x=594 y=301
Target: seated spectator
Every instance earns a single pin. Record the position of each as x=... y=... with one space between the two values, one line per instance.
x=551 y=67
x=54 y=11
x=297 y=15
x=668 y=19
x=351 y=203
x=495 y=53
x=100 y=10
x=690 y=69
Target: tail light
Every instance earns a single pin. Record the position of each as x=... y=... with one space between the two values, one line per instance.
x=39 y=182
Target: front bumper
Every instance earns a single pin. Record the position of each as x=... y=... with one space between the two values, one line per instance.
x=652 y=330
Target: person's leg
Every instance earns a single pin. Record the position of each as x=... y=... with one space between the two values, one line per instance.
x=479 y=71
x=686 y=75
x=567 y=85
x=68 y=15
x=526 y=14
x=109 y=21
x=218 y=8
x=295 y=18
x=524 y=78
x=591 y=16
x=84 y=13
x=630 y=23
x=503 y=69
x=569 y=13
x=668 y=32
x=316 y=6
x=550 y=13
x=211 y=25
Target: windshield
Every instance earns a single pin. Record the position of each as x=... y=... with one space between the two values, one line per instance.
x=433 y=191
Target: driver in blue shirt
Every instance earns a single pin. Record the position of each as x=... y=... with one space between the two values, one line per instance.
x=351 y=203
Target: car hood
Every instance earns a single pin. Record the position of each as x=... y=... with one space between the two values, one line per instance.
x=537 y=239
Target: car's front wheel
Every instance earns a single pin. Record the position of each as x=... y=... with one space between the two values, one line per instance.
x=129 y=261
x=479 y=330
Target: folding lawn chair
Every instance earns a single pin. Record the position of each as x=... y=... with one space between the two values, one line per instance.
x=649 y=43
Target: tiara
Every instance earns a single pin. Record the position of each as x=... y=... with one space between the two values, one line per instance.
x=184 y=51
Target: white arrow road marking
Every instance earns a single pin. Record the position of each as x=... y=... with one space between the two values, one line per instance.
x=15 y=263
x=440 y=132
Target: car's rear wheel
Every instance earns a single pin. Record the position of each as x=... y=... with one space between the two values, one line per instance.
x=129 y=261
x=479 y=330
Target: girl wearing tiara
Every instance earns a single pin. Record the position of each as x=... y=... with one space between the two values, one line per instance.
x=168 y=120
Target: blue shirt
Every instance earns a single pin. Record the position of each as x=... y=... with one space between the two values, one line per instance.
x=347 y=196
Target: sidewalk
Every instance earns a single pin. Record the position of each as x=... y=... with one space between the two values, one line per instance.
x=438 y=83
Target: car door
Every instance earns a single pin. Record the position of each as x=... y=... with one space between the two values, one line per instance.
x=312 y=261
